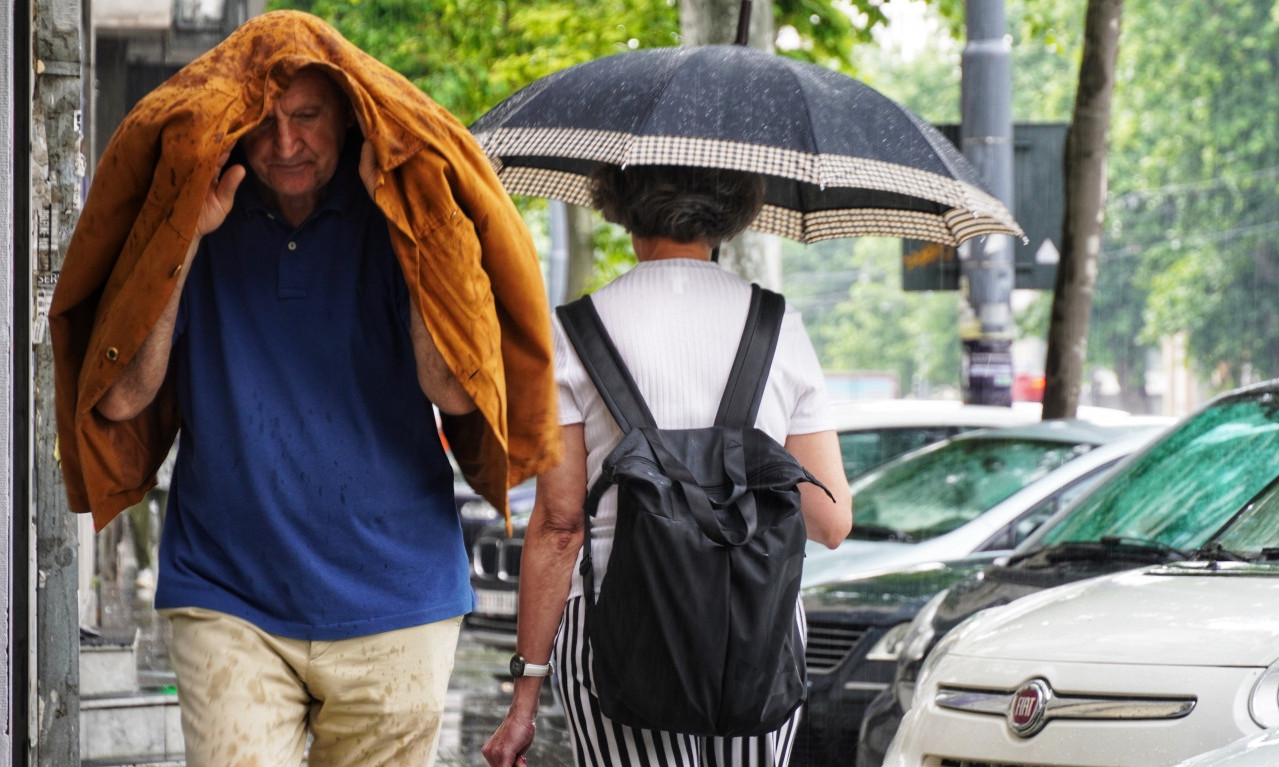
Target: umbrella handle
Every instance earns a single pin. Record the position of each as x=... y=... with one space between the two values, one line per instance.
x=744 y=24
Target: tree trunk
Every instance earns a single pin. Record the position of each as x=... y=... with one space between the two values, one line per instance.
x=1085 y=169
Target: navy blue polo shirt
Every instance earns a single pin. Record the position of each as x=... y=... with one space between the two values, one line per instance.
x=311 y=495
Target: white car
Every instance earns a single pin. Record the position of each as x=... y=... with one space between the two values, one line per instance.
x=979 y=492
x=1253 y=751
x=1143 y=668
x=872 y=431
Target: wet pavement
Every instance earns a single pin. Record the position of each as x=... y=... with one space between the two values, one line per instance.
x=479 y=693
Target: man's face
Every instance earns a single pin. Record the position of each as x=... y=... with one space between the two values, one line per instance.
x=294 y=151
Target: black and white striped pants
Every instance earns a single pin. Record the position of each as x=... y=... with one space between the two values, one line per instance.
x=600 y=742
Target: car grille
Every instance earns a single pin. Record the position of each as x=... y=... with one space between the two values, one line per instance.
x=829 y=642
x=498 y=558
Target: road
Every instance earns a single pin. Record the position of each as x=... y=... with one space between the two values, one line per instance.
x=479 y=692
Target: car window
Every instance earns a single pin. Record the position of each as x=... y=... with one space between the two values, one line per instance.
x=1187 y=485
x=865 y=449
x=937 y=491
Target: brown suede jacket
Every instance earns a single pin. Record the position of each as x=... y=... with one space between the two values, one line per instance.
x=468 y=259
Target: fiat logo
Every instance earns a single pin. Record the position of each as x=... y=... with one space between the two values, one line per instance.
x=1026 y=712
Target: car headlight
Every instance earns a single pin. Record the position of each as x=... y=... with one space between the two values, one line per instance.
x=478 y=511
x=920 y=633
x=1263 y=705
x=890 y=644
x=919 y=636
x=934 y=657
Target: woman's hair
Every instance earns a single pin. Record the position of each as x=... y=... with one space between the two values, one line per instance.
x=684 y=203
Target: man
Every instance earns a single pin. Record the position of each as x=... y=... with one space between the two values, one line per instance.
x=311 y=562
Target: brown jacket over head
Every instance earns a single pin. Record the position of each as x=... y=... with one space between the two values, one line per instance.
x=469 y=262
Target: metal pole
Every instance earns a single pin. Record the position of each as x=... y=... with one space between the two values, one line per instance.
x=557 y=262
x=986 y=263
x=744 y=24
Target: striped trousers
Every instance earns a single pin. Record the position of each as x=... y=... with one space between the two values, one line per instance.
x=600 y=742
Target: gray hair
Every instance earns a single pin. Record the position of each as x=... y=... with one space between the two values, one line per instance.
x=684 y=203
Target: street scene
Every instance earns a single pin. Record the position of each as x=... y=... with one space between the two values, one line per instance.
x=880 y=383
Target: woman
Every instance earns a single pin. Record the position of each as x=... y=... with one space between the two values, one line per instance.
x=676 y=319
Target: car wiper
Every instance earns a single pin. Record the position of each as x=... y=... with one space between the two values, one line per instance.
x=1107 y=548
x=1119 y=542
x=1213 y=551
x=880 y=533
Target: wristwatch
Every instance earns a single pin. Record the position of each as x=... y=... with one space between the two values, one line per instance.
x=521 y=667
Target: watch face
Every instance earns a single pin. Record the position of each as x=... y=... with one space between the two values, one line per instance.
x=517 y=666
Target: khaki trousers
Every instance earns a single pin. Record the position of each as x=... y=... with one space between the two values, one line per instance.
x=250 y=699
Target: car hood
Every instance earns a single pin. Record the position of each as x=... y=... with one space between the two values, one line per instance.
x=909 y=586
x=860 y=559
x=1183 y=614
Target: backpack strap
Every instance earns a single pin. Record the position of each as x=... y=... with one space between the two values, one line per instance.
x=745 y=388
x=604 y=364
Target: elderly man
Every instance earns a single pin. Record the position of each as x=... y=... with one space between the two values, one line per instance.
x=311 y=562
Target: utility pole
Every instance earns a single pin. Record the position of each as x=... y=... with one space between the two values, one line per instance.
x=57 y=170
x=986 y=263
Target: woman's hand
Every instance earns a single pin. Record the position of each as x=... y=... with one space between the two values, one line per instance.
x=513 y=737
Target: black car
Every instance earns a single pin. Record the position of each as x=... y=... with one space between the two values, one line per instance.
x=1164 y=504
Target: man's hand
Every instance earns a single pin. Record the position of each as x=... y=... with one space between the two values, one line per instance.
x=368 y=168
x=220 y=198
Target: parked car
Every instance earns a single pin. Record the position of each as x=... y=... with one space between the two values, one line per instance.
x=488 y=623
x=477 y=513
x=870 y=433
x=1160 y=506
x=922 y=522
x=1140 y=668
x=945 y=500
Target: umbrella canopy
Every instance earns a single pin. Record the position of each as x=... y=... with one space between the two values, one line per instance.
x=841 y=159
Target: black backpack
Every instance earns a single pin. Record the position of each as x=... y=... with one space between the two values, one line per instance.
x=695 y=628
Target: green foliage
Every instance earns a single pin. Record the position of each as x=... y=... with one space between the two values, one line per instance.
x=470 y=54
x=1194 y=161
x=860 y=319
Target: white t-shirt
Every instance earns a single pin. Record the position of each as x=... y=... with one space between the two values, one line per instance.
x=677 y=324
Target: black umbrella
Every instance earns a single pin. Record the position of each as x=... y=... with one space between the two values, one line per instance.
x=842 y=160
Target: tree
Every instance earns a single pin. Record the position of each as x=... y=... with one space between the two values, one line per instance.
x=1085 y=169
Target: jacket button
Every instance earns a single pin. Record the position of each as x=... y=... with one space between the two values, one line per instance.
x=113 y=353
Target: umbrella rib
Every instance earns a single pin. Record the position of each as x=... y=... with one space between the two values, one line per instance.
x=684 y=55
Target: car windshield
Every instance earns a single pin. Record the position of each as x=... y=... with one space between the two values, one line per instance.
x=1256 y=528
x=1187 y=485
x=865 y=449
x=931 y=493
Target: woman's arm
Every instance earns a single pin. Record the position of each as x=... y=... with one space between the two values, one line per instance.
x=829 y=522
x=551 y=544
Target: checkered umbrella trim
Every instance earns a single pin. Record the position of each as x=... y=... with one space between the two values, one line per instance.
x=975 y=212
x=951 y=228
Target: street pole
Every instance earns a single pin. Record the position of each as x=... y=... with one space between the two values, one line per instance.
x=986 y=263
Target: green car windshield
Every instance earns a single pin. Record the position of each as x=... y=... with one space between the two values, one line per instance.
x=936 y=491
x=1187 y=485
